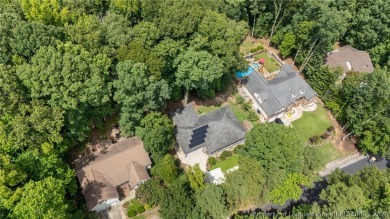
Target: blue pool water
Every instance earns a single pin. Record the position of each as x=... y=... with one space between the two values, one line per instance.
x=243 y=74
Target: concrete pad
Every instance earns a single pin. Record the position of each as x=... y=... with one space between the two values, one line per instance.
x=115 y=212
x=195 y=157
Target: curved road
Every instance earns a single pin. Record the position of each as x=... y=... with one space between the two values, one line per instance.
x=312 y=194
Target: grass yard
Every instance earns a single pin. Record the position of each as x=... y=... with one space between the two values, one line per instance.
x=329 y=152
x=227 y=164
x=270 y=63
x=312 y=123
x=206 y=109
x=247 y=45
x=240 y=113
x=316 y=123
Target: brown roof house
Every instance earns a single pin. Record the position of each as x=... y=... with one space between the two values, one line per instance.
x=124 y=164
x=350 y=59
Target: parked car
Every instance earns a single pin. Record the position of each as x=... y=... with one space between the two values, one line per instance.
x=372 y=159
x=375 y=158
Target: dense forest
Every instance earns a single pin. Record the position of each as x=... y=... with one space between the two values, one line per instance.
x=67 y=65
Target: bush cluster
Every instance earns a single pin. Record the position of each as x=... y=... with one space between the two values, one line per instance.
x=225 y=155
x=256 y=49
x=212 y=161
x=319 y=139
x=135 y=208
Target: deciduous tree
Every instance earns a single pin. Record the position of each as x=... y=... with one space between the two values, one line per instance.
x=197 y=70
x=275 y=145
x=137 y=92
x=211 y=201
x=195 y=177
x=157 y=133
x=166 y=169
x=42 y=199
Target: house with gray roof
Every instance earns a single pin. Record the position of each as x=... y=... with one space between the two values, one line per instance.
x=350 y=60
x=276 y=96
x=212 y=132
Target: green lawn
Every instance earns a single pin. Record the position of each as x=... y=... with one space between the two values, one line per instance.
x=329 y=152
x=239 y=112
x=312 y=123
x=246 y=46
x=270 y=63
x=316 y=123
x=206 y=109
x=227 y=164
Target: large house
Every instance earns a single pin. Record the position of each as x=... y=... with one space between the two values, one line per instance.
x=275 y=97
x=210 y=133
x=123 y=165
x=350 y=59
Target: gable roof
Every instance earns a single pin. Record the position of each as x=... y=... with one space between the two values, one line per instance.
x=100 y=174
x=223 y=128
x=137 y=173
x=280 y=92
x=350 y=59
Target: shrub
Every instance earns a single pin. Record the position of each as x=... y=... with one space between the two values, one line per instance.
x=253 y=116
x=236 y=150
x=330 y=129
x=246 y=106
x=140 y=210
x=315 y=139
x=212 y=161
x=131 y=213
x=225 y=155
x=325 y=135
x=239 y=99
x=260 y=47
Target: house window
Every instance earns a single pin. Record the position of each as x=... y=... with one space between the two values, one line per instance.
x=302 y=92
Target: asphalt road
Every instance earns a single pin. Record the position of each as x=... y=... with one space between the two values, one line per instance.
x=353 y=168
x=311 y=195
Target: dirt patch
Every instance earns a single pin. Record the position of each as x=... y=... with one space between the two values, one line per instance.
x=347 y=146
x=247 y=125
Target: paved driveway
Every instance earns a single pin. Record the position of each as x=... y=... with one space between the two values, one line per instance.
x=352 y=168
x=195 y=157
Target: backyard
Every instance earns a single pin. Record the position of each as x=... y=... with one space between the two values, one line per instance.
x=247 y=45
x=237 y=109
x=270 y=63
x=315 y=124
x=227 y=164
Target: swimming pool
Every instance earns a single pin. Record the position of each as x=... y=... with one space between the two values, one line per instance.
x=251 y=68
